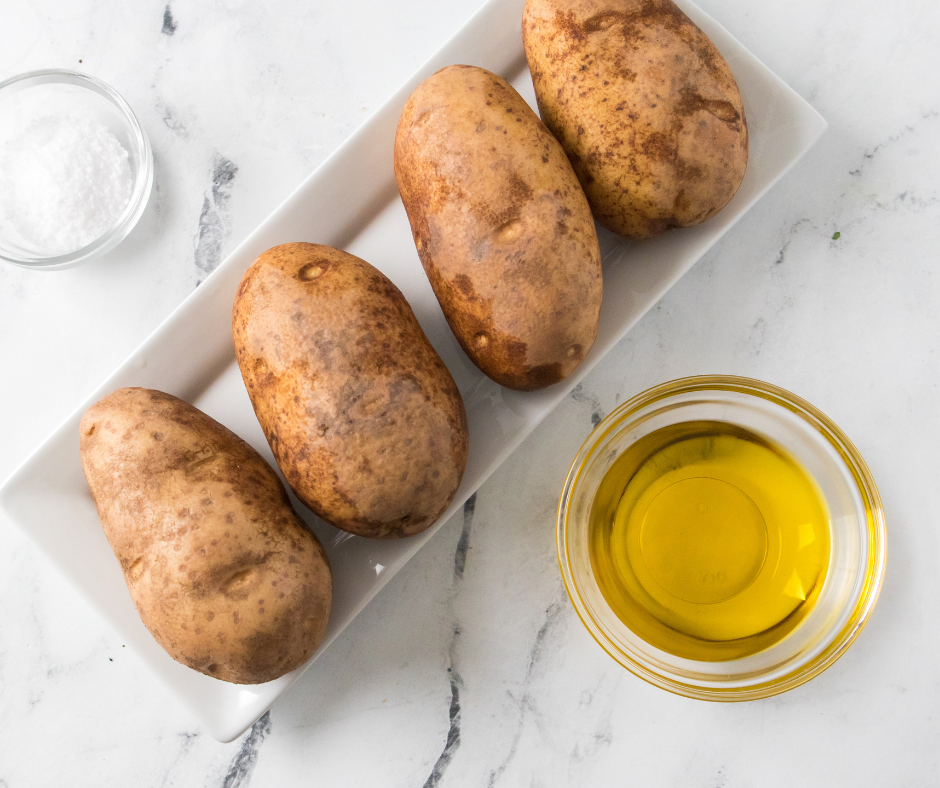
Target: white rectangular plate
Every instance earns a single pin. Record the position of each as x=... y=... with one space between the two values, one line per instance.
x=351 y=202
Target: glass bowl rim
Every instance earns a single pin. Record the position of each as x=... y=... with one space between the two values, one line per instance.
x=866 y=487
x=143 y=176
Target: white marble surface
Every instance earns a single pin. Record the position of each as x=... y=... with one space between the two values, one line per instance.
x=479 y=673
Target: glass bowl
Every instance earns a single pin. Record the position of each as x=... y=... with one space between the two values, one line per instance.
x=856 y=529
x=38 y=94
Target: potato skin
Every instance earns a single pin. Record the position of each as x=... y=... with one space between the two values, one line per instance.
x=222 y=571
x=501 y=225
x=644 y=105
x=364 y=419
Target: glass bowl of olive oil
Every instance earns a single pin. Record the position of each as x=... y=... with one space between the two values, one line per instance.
x=721 y=538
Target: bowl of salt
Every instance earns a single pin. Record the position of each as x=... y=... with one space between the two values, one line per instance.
x=76 y=169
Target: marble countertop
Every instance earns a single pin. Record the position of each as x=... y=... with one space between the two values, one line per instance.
x=471 y=667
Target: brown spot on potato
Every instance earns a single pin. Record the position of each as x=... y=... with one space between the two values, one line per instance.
x=546 y=374
x=659 y=147
x=680 y=204
x=656 y=226
x=692 y=102
x=464 y=284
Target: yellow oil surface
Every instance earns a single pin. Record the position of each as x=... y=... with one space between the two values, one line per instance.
x=708 y=541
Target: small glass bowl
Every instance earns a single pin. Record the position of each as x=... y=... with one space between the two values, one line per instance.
x=857 y=533
x=36 y=94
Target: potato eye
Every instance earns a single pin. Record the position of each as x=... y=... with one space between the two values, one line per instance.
x=238 y=581
x=310 y=271
x=136 y=569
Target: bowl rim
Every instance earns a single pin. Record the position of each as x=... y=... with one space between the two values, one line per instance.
x=143 y=177
x=842 y=639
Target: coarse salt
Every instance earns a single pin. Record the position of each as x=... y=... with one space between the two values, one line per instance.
x=64 y=181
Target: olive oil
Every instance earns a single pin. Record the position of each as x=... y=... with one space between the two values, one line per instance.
x=709 y=541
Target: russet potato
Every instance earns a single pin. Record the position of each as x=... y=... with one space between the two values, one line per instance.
x=644 y=105
x=502 y=227
x=225 y=575
x=364 y=419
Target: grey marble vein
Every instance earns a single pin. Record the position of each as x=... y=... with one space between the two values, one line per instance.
x=187 y=740
x=525 y=703
x=463 y=544
x=453 y=733
x=172 y=119
x=215 y=223
x=597 y=412
x=788 y=238
x=243 y=764
x=169 y=25
x=869 y=154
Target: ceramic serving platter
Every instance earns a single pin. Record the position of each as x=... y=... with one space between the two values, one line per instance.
x=351 y=202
